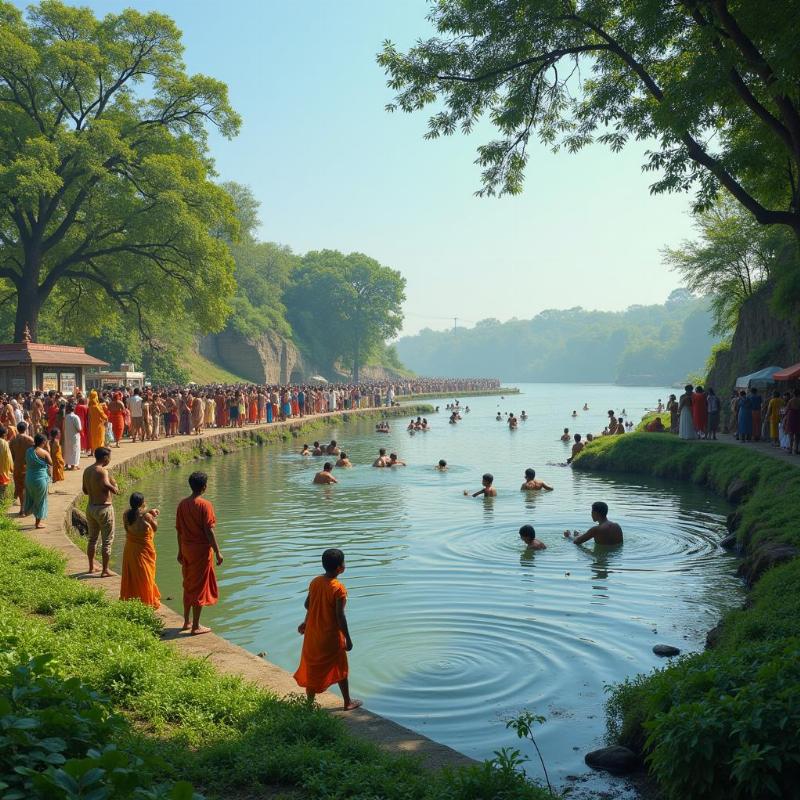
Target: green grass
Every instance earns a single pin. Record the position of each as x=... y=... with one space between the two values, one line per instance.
x=203 y=371
x=721 y=724
x=227 y=737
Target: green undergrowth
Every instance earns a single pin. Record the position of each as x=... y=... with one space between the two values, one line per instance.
x=721 y=723
x=176 y=718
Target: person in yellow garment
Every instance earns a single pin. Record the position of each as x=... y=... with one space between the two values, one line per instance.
x=97 y=422
x=774 y=416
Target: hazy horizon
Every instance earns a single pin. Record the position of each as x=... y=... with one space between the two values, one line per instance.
x=333 y=169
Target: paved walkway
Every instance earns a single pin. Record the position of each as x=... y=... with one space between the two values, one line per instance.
x=765 y=448
x=226 y=656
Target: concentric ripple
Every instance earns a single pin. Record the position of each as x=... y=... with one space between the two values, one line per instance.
x=456 y=626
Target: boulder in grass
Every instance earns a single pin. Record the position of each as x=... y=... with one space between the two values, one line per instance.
x=737 y=490
x=666 y=650
x=617 y=760
x=79 y=523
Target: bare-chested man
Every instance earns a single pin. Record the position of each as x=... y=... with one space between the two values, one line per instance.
x=382 y=460
x=99 y=486
x=325 y=476
x=576 y=448
x=343 y=460
x=605 y=532
x=488 y=489
x=533 y=484
x=37 y=413
x=19 y=446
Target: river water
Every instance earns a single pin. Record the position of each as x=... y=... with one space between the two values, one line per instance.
x=457 y=627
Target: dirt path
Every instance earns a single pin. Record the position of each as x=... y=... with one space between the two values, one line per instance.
x=226 y=656
x=765 y=448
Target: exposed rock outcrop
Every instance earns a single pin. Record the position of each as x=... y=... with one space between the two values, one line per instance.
x=760 y=340
x=764 y=557
x=268 y=358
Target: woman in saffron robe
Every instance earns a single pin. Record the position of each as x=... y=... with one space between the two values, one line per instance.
x=54 y=448
x=116 y=414
x=326 y=637
x=6 y=463
x=37 y=479
x=700 y=412
x=774 y=415
x=138 y=579
x=197 y=547
x=96 y=423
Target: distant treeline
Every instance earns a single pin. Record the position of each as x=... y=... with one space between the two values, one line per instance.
x=644 y=345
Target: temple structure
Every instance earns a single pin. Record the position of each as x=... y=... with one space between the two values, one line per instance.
x=26 y=366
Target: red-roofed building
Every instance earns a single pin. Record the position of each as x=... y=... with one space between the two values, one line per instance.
x=27 y=366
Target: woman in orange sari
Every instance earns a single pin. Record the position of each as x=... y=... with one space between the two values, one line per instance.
x=54 y=446
x=116 y=415
x=97 y=423
x=138 y=580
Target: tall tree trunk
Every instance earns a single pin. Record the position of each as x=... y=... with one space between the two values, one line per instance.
x=28 y=307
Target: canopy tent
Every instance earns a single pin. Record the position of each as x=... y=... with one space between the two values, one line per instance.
x=789 y=374
x=759 y=380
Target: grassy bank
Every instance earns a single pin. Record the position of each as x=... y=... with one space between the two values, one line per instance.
x=723 y=723
x=155 y=717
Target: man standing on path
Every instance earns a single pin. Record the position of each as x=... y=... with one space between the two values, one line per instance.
x=19 y=446
x=135 y=404
x=197 y=549
x=98 y=485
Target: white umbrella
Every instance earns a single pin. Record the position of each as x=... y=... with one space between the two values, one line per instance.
x=319 y=379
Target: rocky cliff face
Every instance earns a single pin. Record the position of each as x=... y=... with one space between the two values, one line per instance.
x=268 y=358
x=761 y=339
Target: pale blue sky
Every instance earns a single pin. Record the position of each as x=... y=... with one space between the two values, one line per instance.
x=333 y=169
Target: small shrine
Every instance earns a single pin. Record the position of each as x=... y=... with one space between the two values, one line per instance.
x=29 y=366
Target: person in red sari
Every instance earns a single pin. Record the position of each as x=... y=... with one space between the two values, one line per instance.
x=116 y=416
x=700 y=412
x=197 y=551
x=82 y=410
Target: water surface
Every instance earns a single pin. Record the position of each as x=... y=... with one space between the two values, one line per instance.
x=455 y=625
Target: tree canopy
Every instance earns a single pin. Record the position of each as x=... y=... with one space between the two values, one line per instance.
x=732 y=258
x=106 y=198
x=715 y=85
x=643 y=345
x=345 y=306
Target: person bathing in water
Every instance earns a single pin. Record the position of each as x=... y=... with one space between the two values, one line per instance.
x=604 y=532
x=343 y=460
x=499 y=417
x=565 y=437
x=528 y=535
x=523 y=416
x=532 y=483
x=325 y=476
x=382 y=460
x=394 y=461
x=306 y=451
x=488 y=489
x=441 y=466
x=576 y=448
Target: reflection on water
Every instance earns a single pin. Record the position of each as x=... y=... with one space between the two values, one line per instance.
x=456 y=625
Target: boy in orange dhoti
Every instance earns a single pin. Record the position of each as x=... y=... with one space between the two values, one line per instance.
x=197 y=547
x=326 y=641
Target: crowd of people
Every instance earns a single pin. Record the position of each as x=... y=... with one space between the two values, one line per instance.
x=58 y=429
x=754 y=417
